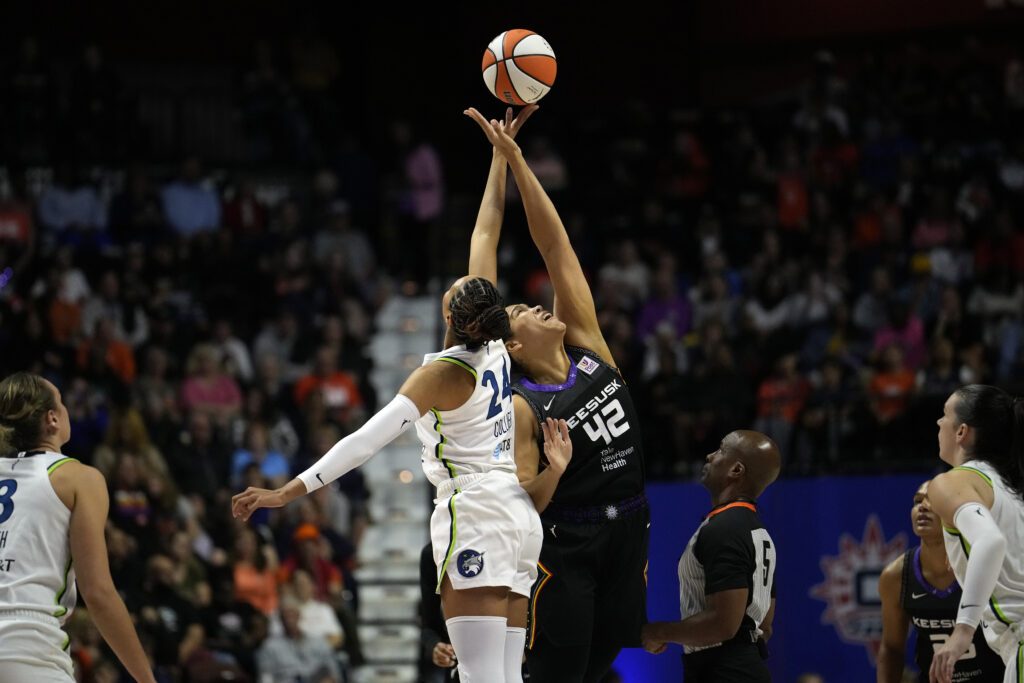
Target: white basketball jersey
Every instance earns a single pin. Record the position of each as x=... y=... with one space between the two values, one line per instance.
x=1004 y=613
x=35 y=556
x=477 y=436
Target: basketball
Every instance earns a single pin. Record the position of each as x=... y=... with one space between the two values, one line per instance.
x=519 y=67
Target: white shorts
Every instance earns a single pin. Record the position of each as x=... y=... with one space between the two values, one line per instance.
x=32 y=649
x=487 y=533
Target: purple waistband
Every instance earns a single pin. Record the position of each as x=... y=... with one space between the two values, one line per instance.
x=596 y=514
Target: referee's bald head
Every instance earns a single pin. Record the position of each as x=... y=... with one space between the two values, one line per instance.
x=760 y=457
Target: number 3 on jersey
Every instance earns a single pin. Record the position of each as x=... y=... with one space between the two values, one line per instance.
x=506 y=389
x=607 y=424
x=7 y=489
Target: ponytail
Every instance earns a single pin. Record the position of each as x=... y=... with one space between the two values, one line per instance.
x=998 y=423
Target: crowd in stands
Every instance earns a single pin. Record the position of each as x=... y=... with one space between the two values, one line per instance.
x=824 y=266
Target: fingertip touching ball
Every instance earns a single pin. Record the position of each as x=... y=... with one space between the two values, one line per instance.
x=519 y=67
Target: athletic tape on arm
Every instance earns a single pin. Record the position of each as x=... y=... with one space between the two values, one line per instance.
x=988 y=546
x=360 y=445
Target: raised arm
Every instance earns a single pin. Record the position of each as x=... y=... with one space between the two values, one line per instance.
x=483 y=244
x=574 y=303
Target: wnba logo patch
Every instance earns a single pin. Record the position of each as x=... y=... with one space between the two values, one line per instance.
x=470 y=563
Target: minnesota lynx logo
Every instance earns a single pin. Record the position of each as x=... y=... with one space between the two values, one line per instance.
x=470 y=563
x=851 y=585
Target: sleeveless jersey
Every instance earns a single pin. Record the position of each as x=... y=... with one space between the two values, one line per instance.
x=1001 y=620
x=478 y=436
x=35 y=557
x=933 y=614
x=607 y=462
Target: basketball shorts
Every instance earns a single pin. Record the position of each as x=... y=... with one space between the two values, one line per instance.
x=485 y=532
x=592 y=586
x=32 y=648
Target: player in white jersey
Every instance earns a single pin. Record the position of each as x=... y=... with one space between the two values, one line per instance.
x=982 y=511
x=485 y=531
x=52 y=509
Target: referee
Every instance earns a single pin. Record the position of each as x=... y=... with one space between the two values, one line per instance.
x=727 y=572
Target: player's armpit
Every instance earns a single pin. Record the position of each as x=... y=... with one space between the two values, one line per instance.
x=895 y=624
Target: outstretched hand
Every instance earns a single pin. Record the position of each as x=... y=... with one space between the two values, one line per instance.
x=514 y=125
x=501 y=133
x=252 y=499
x=557 y=445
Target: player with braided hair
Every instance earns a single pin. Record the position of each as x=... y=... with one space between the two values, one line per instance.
x=590 y=599
x=485 y=531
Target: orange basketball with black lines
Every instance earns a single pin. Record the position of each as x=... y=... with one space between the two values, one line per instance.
x=519 y=67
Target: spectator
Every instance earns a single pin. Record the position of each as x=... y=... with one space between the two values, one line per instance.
x=189 y=205
x=126 y=433
x=828 y=422
x=208 y=388
x=309 y=552
x=339 y=237
x=233 y=352
x=61 y=292
x=104 y=358
x=339 y=388
x=171 y=622
x=625 y=274
x=666 y=305
x=245 y=216
x=281 y=434
x=890 y=392
x=279 y=338
x=254 y=565
x=129 y=321
x=295 y=655
x=780 y=399
x=316 y=617
x=198 y=459
x=233 y=627
x=904 y=329
x=871 y=308
x=72 y=212
x=273 y=465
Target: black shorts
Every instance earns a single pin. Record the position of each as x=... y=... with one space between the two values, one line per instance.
x=736 y=661
x=592 y=583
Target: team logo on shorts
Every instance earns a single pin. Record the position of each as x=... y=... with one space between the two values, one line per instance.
x=470 y=563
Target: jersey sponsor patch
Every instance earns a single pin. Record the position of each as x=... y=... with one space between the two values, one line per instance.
x=588 y=365
x=470 y=563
